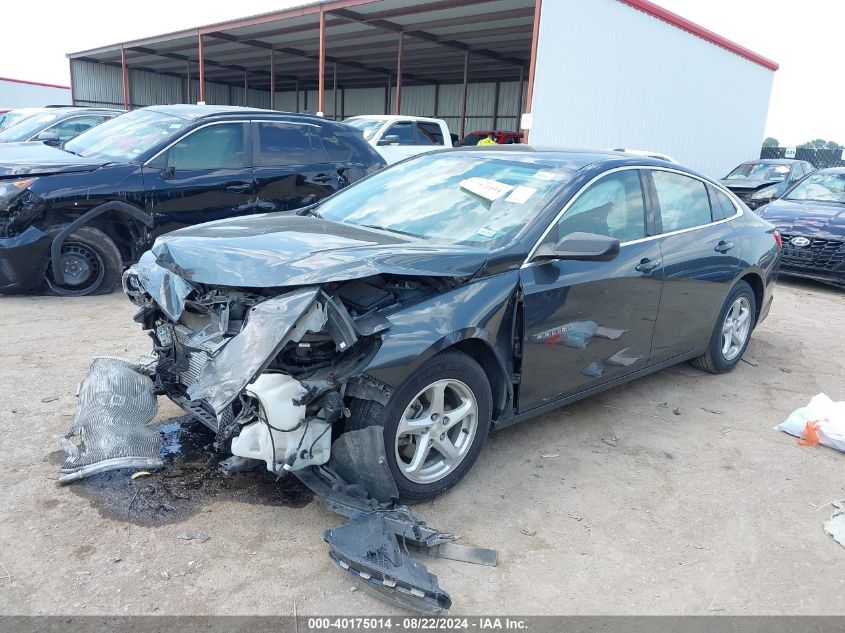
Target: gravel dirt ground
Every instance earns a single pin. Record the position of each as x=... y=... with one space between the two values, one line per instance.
x=670 y=495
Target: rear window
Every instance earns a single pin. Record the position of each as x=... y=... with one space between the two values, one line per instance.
x=683 y=201
x=289 y=144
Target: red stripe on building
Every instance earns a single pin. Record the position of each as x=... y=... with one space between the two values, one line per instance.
x=706 y=34
x=34 y=83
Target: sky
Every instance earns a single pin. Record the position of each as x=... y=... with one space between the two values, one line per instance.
x=805 y=38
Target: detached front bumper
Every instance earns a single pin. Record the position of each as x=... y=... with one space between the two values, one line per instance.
x=21 y=258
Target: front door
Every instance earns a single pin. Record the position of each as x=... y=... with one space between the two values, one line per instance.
x=205 y=176
x=589 y=322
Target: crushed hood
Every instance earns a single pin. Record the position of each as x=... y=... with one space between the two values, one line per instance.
x=38 y=159
x=268 y=250
x=821 y=219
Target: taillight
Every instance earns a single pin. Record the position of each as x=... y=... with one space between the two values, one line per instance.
x=778 y=239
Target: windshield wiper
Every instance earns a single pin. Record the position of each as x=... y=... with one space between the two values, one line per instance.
x=389 y=230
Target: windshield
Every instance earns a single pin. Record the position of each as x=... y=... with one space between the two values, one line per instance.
x=12 y=117
x=124 y=137
x=28 y=127
x=759 y=171
x=452 y=198
x=820 y=187
x=367 y=126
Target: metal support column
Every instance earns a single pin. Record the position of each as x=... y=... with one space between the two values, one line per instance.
x=321 y=84
x=464 y=100
x=496 y=106
x=188 y=77
x=399 y=52
x=246 y=89
x=334 y=94
x=535 y=34
x=124 y=76
x=202 y=69
x=272 y=80
x=519 y=97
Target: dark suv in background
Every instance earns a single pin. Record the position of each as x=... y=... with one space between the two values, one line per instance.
x=54 y=125
x=72 y=218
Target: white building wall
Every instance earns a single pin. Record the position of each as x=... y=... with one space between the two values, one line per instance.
x=609 y=75
x=17 y=94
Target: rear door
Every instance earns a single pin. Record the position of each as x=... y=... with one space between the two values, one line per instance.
x=701 y=258
x=292 y=168
x=586 y=323
x=206 y=175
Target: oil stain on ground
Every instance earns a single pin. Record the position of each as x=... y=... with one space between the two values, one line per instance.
x=189 y=480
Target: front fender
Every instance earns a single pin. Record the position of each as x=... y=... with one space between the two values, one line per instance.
x=479 y=310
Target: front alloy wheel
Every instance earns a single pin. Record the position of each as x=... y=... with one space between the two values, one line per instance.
x=436 y=431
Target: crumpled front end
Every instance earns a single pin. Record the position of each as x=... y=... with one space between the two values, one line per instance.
x=265 y=369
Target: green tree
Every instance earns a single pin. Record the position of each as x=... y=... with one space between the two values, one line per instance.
x=833 y=145
x=818 y=143
x=771 y=142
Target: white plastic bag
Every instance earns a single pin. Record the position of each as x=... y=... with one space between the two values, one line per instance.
x=825 y=416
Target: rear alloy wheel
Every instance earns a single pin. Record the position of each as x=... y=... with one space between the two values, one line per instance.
x=90 y=261
x=732 y=332
x=435 y=424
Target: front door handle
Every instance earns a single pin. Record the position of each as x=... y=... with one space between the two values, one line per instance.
x=321 y=178
x=239 y=188
x=646 y=265
x=724 y=247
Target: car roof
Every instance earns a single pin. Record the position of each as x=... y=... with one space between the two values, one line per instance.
x=832 y=170
x=574 y=156
x=192 y=112
x=773 y=161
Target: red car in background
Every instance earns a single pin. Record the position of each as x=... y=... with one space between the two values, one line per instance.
x=501 y=138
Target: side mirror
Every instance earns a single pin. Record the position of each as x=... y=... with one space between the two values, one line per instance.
x=390 y=139
x=49 y=138
x=168 y=172
x=581 y=246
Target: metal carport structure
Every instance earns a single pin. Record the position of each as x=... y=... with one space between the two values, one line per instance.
x=455 y=59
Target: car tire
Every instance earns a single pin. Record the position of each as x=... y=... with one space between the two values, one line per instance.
x=731 y=333
x=92 y=256
x=465 y=387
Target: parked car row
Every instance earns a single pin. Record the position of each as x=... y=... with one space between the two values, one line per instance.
x=51 y=125
x=808 y=208
x=160 y=168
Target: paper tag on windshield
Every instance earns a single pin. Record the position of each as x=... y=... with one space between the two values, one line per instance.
x=521 y=194
x=486 y=231
x=486 y=188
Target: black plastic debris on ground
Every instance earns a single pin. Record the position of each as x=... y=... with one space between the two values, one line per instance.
x=370 y=550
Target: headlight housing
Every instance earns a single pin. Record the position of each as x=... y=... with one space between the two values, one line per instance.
x=766 y=193
x=11 y=189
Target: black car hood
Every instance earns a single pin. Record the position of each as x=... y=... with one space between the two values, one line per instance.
x=275 y=249
x=821 y=219
x=38 y=159
x=745 y=183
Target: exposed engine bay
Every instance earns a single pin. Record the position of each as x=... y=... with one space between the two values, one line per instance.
x=271 y=372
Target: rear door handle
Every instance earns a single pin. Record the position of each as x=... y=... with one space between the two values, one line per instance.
x=724 y=247
x=647 y=265
x=239 y=188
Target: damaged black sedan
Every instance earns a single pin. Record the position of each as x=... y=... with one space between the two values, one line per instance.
x=455 y=293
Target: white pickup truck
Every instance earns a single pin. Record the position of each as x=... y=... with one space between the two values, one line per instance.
x=396 y=137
